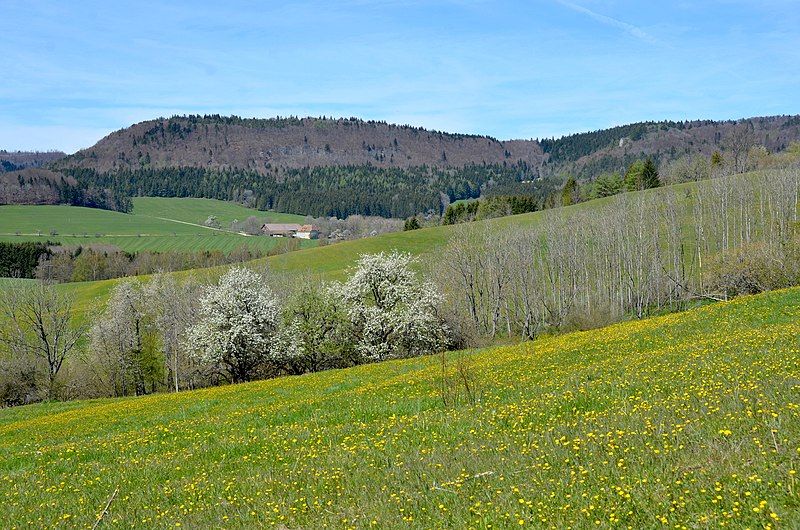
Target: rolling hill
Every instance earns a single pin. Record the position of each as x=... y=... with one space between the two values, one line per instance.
x=686 y=420
x=220 y=142
x=339 y=167
x=263 y=145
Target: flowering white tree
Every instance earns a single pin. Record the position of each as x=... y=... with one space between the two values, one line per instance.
x=394 y=313
x=238 y=324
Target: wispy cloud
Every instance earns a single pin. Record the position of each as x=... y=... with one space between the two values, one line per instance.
x=632 y=30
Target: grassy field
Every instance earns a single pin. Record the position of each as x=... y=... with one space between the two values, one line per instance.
x=197 y=210
x=691 y=420
x=156 y=224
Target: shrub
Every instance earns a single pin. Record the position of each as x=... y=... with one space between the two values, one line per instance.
x=755 y=268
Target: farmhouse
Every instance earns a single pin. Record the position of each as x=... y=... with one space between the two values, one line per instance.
x=307 y=232
x=280 y=229
x=290 y=230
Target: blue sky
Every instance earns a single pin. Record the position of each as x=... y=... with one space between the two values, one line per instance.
x=71 y=72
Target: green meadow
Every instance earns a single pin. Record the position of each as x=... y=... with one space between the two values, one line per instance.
x=156 y=224
x=690 y=420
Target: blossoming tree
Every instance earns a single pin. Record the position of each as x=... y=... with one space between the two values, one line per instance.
x=393 y=312
x=237 y=325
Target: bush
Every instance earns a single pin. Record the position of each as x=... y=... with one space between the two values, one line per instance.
x=755 y=268
x=18 y=384
x=317 y=332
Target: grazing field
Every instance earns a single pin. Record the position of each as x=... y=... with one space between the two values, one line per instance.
x=197 y=210
x=69 y=220
x=690 y=420
x=201 y=241
x=156 y=224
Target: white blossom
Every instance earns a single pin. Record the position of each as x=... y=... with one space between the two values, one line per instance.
x=393 y=311
x=237 y=325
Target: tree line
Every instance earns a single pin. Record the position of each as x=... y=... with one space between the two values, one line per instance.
x=641 y=175
x=99 y=262
x=19 y=260
x=56 y=263
x=337 y=191
x=490 y=207
x=161 y=334
x=40 y=186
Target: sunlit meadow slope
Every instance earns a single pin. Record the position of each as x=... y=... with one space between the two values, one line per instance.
x=689 y=420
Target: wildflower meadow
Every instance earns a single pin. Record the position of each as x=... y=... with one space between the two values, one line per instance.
x=689 y=420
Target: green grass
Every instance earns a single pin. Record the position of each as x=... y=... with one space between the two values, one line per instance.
x=67 y=220
x=224 y=242
x=197 y=210
x=156 y=224
x=690 y=420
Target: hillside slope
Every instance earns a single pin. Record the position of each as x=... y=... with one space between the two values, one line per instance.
x=688 y=420
x=332 y=262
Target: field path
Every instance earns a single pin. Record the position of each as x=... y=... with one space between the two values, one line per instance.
x=201 y=226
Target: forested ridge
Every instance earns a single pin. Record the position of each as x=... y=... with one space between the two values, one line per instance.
x=590 y=154
x=338 y=167
x=270 y=145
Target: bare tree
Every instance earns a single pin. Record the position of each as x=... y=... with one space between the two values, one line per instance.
x=738 y=143
x=173 y=305
x=125 y=340
x=40 y=326
x=464 y=265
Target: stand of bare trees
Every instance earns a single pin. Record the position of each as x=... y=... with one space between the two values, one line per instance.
x=638 y=254
x=137 y=341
